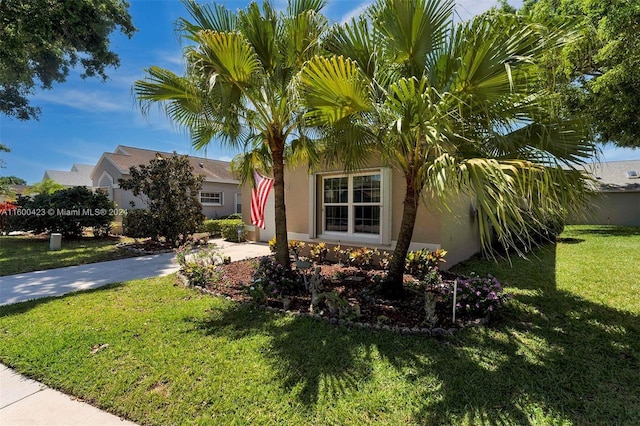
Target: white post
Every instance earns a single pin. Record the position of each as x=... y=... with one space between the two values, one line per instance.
x=455 y=293
x=55 y=242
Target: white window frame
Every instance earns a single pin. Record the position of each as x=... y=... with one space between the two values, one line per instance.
x=209 y=193
x=384 y=235
x=237 y=202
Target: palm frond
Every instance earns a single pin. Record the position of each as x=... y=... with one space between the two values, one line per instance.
x=333 y=88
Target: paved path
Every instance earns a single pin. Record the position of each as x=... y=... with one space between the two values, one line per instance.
x=60 y=281
x=26 y=402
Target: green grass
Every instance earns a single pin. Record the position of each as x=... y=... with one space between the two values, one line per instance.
x=27 y=253
x=567 y=351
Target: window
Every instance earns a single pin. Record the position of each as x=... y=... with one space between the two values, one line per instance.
x=238 y=203
x=353 y=205
x=211 y=198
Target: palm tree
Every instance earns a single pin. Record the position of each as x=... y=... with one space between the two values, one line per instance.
x=457 y=109
x=238 y=86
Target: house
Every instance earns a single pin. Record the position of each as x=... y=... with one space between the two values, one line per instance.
x=220 y=194
x=79 y=175
x=617 y=197
x=364 y=209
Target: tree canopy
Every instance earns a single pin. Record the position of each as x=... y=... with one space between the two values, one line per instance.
x=170 y=190
x=46 y=186
x=458 y=110
x=42 y=40
x=596 y=76
x=12 y=180
x=239 y=87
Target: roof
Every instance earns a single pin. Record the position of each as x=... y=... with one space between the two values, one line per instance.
x=79 y=175
x=125 y=157
x=612 y=176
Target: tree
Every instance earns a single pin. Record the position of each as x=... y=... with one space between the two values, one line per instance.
x=12 y=180
x=4 y=186
x=596 y=77
x=46 y=186
x=171 y=194
x=67 y=211
x=455 y=110
x=239 y=86
x=41 y=40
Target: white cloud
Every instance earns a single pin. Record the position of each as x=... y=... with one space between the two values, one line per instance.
x=355 y=11
x=85 y=100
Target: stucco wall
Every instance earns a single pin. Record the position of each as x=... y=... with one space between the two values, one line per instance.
x=228 y=207
x=460 y=236
x=612 y=208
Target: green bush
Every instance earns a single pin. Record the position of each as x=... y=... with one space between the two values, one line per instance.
x=230 y=230
x=67 y=211
x=420 y=263
x=138 y=224
x=212 y=226
x=225 y=228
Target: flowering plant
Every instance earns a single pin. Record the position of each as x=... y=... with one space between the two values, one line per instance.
x=273 y=280
x=319 y=252
x=202 y=265
x=476 y=296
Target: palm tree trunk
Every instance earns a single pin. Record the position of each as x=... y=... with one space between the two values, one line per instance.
x=393 y=286
x=282 y=243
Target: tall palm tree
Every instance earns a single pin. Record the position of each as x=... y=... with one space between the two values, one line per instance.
x=238 y=88
x=455 y=108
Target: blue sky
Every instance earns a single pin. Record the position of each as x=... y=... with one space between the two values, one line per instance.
x=81 y=119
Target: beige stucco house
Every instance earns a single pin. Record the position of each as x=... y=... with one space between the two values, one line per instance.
x=617 y=197
x=364 y=209
x=220 y=194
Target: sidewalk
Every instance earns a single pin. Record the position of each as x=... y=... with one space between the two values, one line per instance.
x=27 y=402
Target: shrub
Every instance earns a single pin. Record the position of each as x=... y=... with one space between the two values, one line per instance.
x=67 y=211
x=359 y=257
x=138 y=224
x=421 y=262
x=170 y=190
x=212 y=226
x=273 y=280
x=476 y=297
x=229 y=230
x=318 y=252
x=201 y=265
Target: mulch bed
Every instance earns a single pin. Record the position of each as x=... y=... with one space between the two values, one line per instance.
x=357 y=287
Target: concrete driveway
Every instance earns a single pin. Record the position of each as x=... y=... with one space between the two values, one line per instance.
x=56 y=282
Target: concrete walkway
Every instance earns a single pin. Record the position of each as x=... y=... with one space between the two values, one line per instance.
x=57 y=282
x=26 y=402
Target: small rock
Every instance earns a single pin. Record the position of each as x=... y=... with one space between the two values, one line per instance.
x=438 y=331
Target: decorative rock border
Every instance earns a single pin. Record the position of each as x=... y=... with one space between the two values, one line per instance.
x=135 y=250
x=419 y=331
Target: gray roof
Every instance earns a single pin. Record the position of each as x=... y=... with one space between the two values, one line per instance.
x=125 y=157
x=79 y=175
x=616 y=175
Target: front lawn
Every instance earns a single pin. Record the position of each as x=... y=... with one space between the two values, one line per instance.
x=19 y=254
x=566 y=352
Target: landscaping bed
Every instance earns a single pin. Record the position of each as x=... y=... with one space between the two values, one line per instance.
x=360 y=289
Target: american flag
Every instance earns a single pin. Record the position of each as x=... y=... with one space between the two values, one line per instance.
x=259 y=195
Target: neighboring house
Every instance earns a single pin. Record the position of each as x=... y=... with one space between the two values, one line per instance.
x=365 y=209
x=79 y=175
x=220 y=194
x=617 y=198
